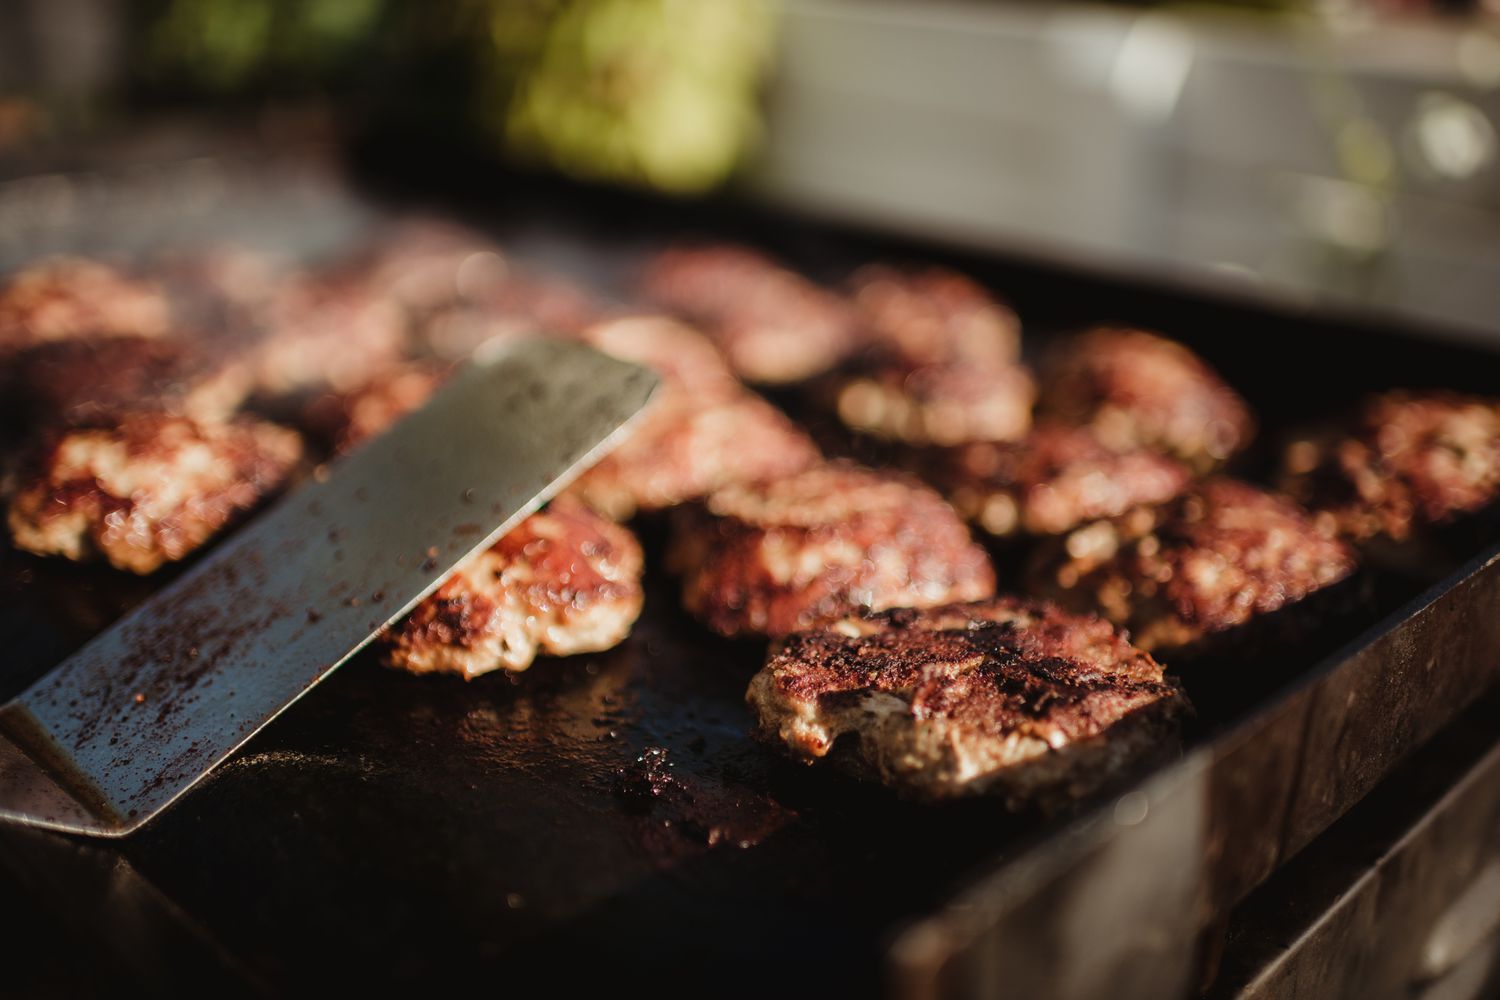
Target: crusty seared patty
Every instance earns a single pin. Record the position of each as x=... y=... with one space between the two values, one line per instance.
x=349 y=419
x=326 y=333
x=679 y=353
x=938 y=363
x=702 y=431
x=685 y=446
x=1216 y=557
x=774 y=325
x=84 y=379
x=772 y=557
x=1405 y=460
x=147 y=489
x=1136 y=389
x=1004 y=695
x=426 y=264
x=933 y=316
x=1054 y=479
x=64 y=297
x=564 y=581
x=936 y=404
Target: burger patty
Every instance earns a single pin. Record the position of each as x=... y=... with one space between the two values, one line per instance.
x=939 y=361
x=1005 y=695
x=65 y=297
x=772 y=557
x=1139 y=390
x=1053 y=480
x=772 y=324
x=934 y=316
x=1215 y=557
x=147 y=489
x=326 y=333
x=425 y=265
x=347 y=420
x=687 y=445
x=944 y=404
x=702 y=431
x=564 y=581
x=681 y=355
x=87 y=379
x=1404 y=461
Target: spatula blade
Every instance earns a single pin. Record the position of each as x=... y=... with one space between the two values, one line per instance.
x=113 y=735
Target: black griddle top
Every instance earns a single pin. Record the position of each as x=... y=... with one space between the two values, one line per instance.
x=605 y=821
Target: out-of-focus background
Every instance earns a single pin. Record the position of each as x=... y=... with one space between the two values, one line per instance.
x=1334 y=154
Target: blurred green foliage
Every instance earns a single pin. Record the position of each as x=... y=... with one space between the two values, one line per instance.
x=660 y=92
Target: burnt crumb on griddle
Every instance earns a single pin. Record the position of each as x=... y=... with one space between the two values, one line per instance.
x=647 y=779
x=680 y=814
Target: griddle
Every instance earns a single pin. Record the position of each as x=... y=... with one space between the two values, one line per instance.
x=605 y=822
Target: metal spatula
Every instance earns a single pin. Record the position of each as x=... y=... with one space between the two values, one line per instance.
x=112 y=736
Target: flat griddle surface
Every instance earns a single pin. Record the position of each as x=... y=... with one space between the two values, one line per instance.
x=395 y=829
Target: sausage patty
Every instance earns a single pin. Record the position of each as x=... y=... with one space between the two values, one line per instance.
x=1053 y=480
x=564 y=581
x=1216 y=557
x=1405 y=460
x=147 y=489
x=65 y=297
x=772 y=557
x=87 y=379
x=939 y=363
x=349 y=419
x=326 y=333
x=702 y=431
x=1004 y=695
x=774 y=325
x=1137 y=389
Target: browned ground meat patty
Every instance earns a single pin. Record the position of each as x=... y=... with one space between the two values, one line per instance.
x=1004 y=695
x=72 y=381
x=326 y=333
x=772 y=557
x=1051 y=481
x=67 y=297
x=934 y=315
x=427 y=264
x=1217 y=556
x=1404 y=461
x=459 y=290
x=1137 y=389
x=701 y=432
x=773 y=325
x=939 y=363
x=347 y=420
x=146 y=490
x=217 y=285
x=685 y=446
x=680 y=354
x=564 y=581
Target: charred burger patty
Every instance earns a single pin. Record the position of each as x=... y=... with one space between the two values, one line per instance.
x=1002 y=695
